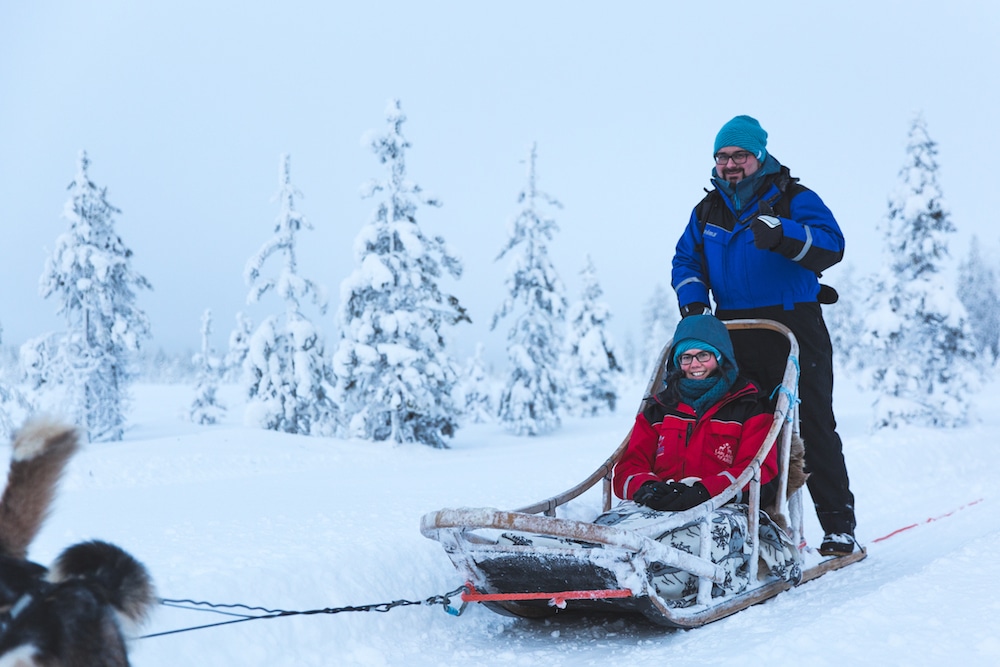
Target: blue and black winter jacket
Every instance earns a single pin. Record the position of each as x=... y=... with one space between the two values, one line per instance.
x=717 y=251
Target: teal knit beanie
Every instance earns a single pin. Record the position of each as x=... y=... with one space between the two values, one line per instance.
x=745 y=132
x=694 y=344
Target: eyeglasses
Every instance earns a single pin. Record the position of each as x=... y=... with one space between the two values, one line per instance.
x=739 y=157
x=702 y=357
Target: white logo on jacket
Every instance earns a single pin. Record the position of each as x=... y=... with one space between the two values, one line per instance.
x=725 y=453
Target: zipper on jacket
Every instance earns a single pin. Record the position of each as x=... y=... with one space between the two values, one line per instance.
x=687 y=441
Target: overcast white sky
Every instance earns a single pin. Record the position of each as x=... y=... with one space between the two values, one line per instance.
x=185 y=106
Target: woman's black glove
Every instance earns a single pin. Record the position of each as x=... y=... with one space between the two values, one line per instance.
x=685 y=497
x=654 y=495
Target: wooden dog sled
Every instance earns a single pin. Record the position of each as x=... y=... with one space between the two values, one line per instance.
x=583 y=566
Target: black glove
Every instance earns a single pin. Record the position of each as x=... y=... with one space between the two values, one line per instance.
x=685 y=497
x=695 y=308
x=767 y=232
x=654 y=494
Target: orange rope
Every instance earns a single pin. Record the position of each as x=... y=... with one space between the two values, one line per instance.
x=555 y=599
x=932 y=519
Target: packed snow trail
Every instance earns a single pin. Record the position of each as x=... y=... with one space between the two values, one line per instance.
x=232 y=514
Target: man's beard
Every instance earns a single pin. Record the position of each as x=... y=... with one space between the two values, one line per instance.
x=734 y=176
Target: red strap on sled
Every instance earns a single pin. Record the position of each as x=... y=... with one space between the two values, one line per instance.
x=555 y=599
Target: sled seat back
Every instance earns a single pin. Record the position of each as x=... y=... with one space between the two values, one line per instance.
x=784 y=424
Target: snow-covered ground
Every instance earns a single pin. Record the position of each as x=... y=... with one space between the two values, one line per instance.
x=229 y=514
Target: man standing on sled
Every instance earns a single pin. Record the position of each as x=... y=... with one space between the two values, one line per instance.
x=758 y=242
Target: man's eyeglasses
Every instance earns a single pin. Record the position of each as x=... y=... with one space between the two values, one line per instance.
x=702 y=357
x=739 y=157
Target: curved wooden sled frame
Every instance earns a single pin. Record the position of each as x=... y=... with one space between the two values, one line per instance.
x=625 y=555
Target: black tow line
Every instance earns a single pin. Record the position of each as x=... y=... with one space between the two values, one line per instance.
x=444 y=600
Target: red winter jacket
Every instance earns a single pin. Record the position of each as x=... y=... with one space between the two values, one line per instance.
x=669 y=442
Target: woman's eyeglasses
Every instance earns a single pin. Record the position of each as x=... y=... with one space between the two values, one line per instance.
x=702 y=357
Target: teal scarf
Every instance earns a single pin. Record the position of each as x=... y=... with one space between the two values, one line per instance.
x=703 y=394
x=744 y=191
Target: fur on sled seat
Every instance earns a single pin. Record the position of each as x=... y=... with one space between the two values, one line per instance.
x=797 y=477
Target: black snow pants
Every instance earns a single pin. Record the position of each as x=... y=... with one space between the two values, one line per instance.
x=761 y=356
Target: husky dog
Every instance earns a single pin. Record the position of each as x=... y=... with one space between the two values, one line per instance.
x=75 y=613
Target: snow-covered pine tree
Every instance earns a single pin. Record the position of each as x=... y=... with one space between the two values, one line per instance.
x=395 y=378
x=534 y=392
x=14 y=405
x=659 y=319
x=239 y=346
x=165 y=367
x=630 y=357
x=476 y=390
x=917 y=338
x=844 y=321
x=977 y=288
x=593 y=371
x=288 y=380
x=41 y=368
x=90 y=274
x=206 y=409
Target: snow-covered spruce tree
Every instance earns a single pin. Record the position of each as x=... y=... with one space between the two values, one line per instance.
x=633 y=365
x=394 y=377
x=977 y=288
x=916 y=337
x=534 y=392
x=659 y=319
x=206 y=409
x=14 y=405
x=845 y=322
x=476 y=390
x=165 y=367
x=90 y=274
x=286 y=375
x=38 y=356
x=239 y=346
x=593 y=371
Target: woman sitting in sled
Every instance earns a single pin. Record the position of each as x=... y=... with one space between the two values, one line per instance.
x=690 y=442
x=700 y=432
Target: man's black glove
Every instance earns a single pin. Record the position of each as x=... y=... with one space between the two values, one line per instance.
x=654 y=495
x=767 y=232
x=695 y=308
x=685 y=497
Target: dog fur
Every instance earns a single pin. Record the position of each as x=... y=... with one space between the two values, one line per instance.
x=78 y=612
x=797 y=477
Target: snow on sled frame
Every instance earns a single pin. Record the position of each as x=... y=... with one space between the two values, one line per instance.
x=621 y=558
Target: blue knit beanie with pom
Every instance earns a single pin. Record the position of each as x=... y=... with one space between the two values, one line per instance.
x=745 y=132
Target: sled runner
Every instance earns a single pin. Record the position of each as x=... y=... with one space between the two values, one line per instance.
x=679 y=569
